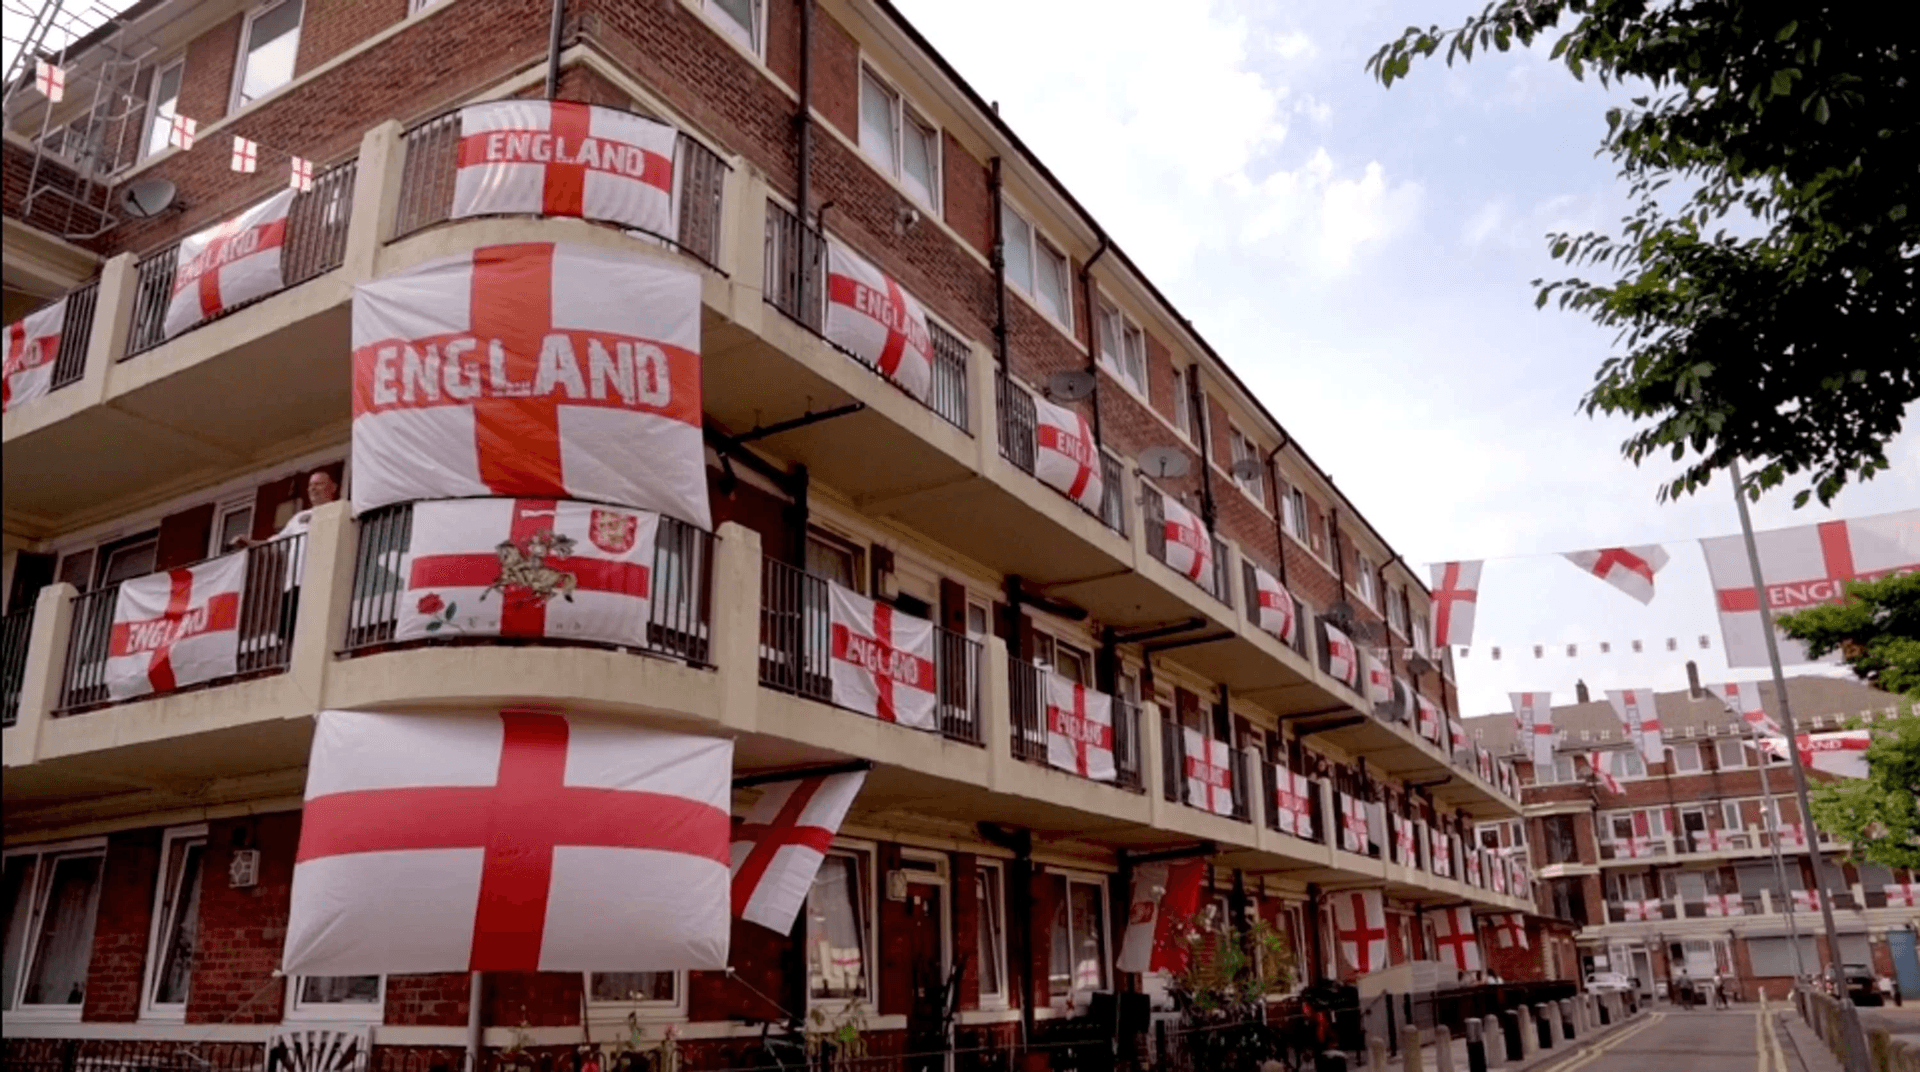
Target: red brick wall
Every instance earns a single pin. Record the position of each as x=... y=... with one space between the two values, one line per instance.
x=760 y=959
x=242 y=930
x=836 y=74
x=206 y=82
x=438 y=1000
x=533 y=999
x=122 y=927
x=330 y=27
x=967 y=188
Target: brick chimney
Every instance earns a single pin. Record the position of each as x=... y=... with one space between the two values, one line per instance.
x=1580 y=691
x=1693 y=679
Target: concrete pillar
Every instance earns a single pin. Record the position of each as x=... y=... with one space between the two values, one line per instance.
x=41 y=678
x=737 y=571
x=326 y=598
x=996 y=700
x=1565 y=1012
x=983 y=406
x=1411 y=1057
x=1493 y=1044
x=1152 y=757
x=1442 y=1049
x=376 y=200
x=1543 y=1018
x=1376 y=1053
x=1529 y=1035
x=112 y=323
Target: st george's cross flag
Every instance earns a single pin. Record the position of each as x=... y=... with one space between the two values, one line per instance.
x=1641 y=911
x=1292 y=801
x=1805 y=566
x=1274 y=606
x=175 y=628
x=1375 y=680
x=880 y=661
x=1601 y=764
x=777 y=850
x=1353 y=824
x=1497 y=872
x=1064 y=454
x=1406 y=840
x=1629 y=569
x=1455 y=938
x=1725 y=904
x=1843 y=755
x=1080 y=729
x=538 y=370
x=1440 y=851
x=1902 y=894
x=521 y=840
x=873 y=318
x=33 y=343
x=1360 y=926
x=1209 y=770
x=1457 y=741
x=529 y=568
x=1639 y=713
x=1534 y=713
x=1456 y=592
x=1165 y=895
x=1426 y=719
x=1189 y=546
x=1343 y=659
x=565 y=158
x=1742 y=698
x=1510 y=931
x=228 y=264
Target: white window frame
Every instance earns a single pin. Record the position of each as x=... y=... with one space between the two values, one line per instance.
x=1182 y=401
x=1035 y=240
x=994 y=876
x=1673 y=758
x=1739 y=752
x=147 y=148
x=1241 y=447
x=39 y=889
x=1293 y=513
x=221 y=512
x=903 y=115
x=869 y=967
x=649 y=1010
x=1633 y=765
x=1367 y=582
x=1122 y=363
x=166 y=895
x=752 y=39
x=234 y=103
x=1075 y=997
x=335 y=1012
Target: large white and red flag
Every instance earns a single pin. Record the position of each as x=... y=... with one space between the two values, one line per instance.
x=1080 y=729
x=881 y=661
x=529 y=568
x=1806 y=566
x=1343 y=659
x=1902 y=894
x=1189 y=545
x=1353 y=824
x=1456 y=592
x=1209 y=771
x=1406 y=840
x=1641 y=911
x=1456 y=939
x=176 y=628
x=1064 y=453
x=1629 y=569
x=1497 y=873
x=1292 y=802
x=33 y=342
x=1725 y=904
x=230 y=263
x=1165 y=896
x=1440 y=851
x=777 y=850
x=1534 y=712
x=1510 y=931
x=565 y=158
x=537 y=370
x=1375 y=679
x=878 y=322
x=1743 y=698
x=1360 y=926
x=1601 y=764
x=1843 y=755
x=1274 y=605
x=1639 y=712
x=1457 y=740
x=521 y=841
x=1426 y=719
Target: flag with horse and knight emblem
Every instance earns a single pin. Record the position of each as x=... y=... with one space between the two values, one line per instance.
x=529 y=568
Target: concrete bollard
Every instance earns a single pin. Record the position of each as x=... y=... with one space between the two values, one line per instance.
x=1376 y=1053
x=1529 y=1034
x=1543 y=1018
x=1493 y=1042
x=1565 y=1012
x=1476 y=1044
x=1442 y=1049
x=1604 y=1009
x=1411 y=1059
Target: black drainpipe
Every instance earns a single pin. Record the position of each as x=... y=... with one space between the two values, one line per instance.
x=1093 y=331
x=1333 y=541
x=1279 y=507
x=803 y=122
x=553 y=48
x=1196 y=401
x=998 y=258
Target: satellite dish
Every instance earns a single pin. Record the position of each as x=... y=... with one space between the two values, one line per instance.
x=1069 y=386
x=1166 y=463
x=147 y=198
x=1245 y=469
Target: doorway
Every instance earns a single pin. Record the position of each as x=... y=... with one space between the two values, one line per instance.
x=933 y=986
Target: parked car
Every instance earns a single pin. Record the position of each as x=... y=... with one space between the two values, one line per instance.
x=1608 y=982
x=1861 y=985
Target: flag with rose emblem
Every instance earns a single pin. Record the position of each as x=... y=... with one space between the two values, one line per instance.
x=529 y=568
x=33 y=342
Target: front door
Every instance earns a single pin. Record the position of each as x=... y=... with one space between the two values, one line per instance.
x=1906 y=962
x=928 y=1025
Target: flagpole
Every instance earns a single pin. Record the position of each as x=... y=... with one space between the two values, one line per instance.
x=1773 y=836
x=1856 y=1043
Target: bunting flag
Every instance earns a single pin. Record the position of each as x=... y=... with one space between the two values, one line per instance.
x=1456 y=591
x=300 y=174
x=51 y=81
x=1534 y=712
x=246 y=155
x=180 y=130
x=1639 y=712
x=1743 y=698
x=1629 y=569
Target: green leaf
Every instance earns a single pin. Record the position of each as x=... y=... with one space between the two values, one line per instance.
x=1786 y=32
x=433 y=625
x=1783 y=82
x=450 y=610
x=1820 y=109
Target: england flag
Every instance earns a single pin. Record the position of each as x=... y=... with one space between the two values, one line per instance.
x=1639 y=713
x=777 y=851
x=1275 y=606
x=1209 y=772
x=228 y=264
x=1189 y=545
x=1343 y=661
x=1534 y=713
x=873 y=318
x=1360 y=926
x=1080 y=729
x=881 y=661
x=1455 y=937
x=1165 y=896
x=1843 y=755
x=565 y=158
x=1292 y=802
x=1456 y=592
x=176 y=628
x=529 y=568
x=1629 y=569
x=33 y=342
x=1064 y=454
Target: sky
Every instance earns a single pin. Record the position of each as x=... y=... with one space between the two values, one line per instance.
x=1363 y=258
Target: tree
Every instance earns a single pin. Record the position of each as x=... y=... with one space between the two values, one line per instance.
x=1788 y=336
x=1879 y=815
x=1877 y=631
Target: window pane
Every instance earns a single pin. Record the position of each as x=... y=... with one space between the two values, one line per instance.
x=1089 y=937
x=740 y=16
x=65 y=942
x=1019 y=250
x=339 y=989
x=124 y=563
x=632 y=986
x=1136 y=358
x=180 y=923
x=987 y=882
x=1060 y=956
x=1050 y=286
x=272 y=44
x=836 y=931
x=18 y=888
x=166 y=98
x=916 y=161
x=1110 y=337
x=833 y=563
x=877 y=118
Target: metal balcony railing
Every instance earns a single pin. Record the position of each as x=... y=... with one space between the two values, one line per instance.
x=315 y=244
x=1019 y=443
x=1026 y=692
x=76 y=331
x=679 y=619
x=1173 y=759
x=16 y=629
x=1242 y=785
x=431 y=162
x=269 y=598
x=796 y=644
x=795 y=284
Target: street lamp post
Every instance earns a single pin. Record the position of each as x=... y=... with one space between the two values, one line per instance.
x=1856 y=1042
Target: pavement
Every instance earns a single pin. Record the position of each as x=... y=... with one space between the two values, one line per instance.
x=1670 y=1039
x=1901 y=1021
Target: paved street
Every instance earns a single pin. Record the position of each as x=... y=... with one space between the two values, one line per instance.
x=1676 y=1041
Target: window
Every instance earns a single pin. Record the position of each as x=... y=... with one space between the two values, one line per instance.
x=1248 y=476
x=1629 y=764
x=1368 y=586
x=176 y=921
x=52 y=897
x=1078 y=962
x=1562 y=847
x=1397 y=610
x=235 y=520
x=77 y=142
x=1182 y=403
x=839 y=928
x=160 y=109
x=741 y=20
x=1034 y=267
x=1683 y=758
x=991 y=949
x=268 y=48
x=355 y=998
x=834 y=560
x=1730 y=755
x=1730 y=816
x=1422 y=642
x=126 y=559
x=1062 y=658
x=647 y=994
x=1293 y=514
x=1123 y=348
x=904 y=145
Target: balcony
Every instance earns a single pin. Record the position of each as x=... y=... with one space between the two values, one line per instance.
x=1026 y=689
x=1178 y=770
x=1019 y=444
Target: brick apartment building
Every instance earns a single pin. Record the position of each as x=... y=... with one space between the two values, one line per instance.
x=150 y=842
x=1675 y=872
